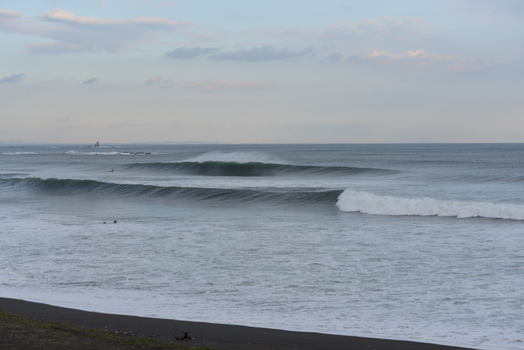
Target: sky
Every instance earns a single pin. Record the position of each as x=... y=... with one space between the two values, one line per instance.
x=286 y=71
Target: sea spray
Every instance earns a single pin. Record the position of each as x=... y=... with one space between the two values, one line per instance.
x=236 y=157
x=367 y=203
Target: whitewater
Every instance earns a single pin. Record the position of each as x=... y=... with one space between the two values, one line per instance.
x=418 y=242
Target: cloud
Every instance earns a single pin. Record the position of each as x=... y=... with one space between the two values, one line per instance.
x=10 y=16
x=419 y=55
x=416 y=59
x=264 y=53
x=212 y=85
x=498 y=10
x=90 y=81
x=191 y=52
x=73 y=33
x=15 y=78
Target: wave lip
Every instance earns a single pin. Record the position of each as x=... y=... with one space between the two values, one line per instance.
x=236 y=157
x=367 y=203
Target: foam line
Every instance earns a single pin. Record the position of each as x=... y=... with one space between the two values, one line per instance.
x=367 y=203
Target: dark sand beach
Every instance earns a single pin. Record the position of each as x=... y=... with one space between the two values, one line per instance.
x=217 y=336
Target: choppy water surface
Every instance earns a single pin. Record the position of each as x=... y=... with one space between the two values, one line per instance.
x=416 y=242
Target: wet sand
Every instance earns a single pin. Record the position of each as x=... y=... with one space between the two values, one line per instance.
x=217 y=336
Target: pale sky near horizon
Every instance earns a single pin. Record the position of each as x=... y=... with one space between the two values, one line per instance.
x=304 y=71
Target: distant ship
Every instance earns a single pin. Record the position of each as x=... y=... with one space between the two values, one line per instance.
x=97 y=144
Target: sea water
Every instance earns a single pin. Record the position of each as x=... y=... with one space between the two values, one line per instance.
x=420 y=242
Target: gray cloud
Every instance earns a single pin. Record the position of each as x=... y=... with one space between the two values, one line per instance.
x=72 y=33
x=264 y=53
x=90 y=81
x=15 y=78
x=191 y=52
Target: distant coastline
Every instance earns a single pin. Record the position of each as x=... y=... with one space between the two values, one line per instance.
x=20 y=143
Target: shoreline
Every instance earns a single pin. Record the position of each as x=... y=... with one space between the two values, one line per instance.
x=217 y=336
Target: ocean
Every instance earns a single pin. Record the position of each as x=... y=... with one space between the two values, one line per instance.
x=421 y=242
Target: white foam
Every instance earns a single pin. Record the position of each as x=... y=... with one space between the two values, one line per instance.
x=17 y=153
x=9 y=275
x=367 y=203
x=236 y=157
x=101 y=153
x=386 y=286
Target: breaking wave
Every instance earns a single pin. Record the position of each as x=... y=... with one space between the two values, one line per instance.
x=17 y=153
x=367 y=203
x=218 y=168
x=236 y=157
x=94 y=153
x=292 y=196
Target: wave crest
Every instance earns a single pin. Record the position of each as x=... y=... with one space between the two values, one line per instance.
x=236 y=157
x=96 y=153
x=367 y=203
x=294 y=196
